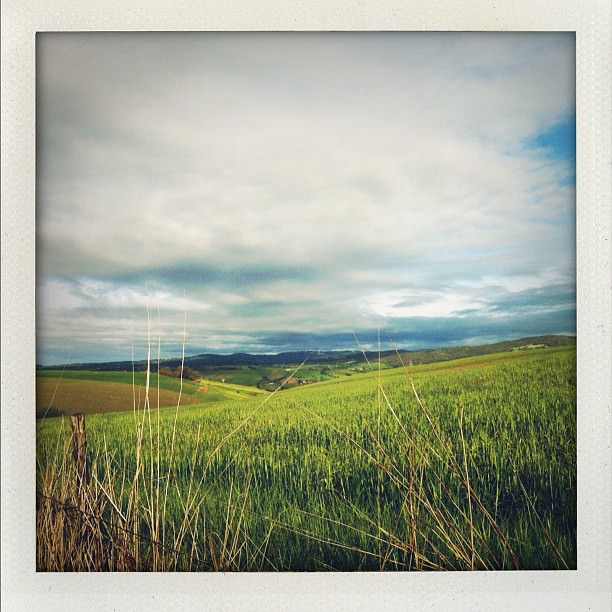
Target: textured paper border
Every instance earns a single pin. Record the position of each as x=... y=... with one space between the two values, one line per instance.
x=587 y=588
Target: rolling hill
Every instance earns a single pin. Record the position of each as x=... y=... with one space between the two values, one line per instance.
x=390 y=357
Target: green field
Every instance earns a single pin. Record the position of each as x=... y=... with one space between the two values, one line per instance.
x=166 y=383
x=65 y=393
x=269 y=378
x=473 y=467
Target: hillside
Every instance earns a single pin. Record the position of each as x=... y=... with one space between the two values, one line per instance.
x=68 y=392
x=205 y=362
x=457 y=352
x=295 y=476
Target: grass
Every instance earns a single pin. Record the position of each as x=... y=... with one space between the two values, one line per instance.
x=90 y=392
x=268 y=378
x=463 y=465
x=231 y=390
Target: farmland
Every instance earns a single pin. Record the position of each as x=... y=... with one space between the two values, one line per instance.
x=68 y=392
x=268 y=371
x=465 y=464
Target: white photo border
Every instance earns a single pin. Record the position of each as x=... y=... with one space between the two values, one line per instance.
x=588 y=587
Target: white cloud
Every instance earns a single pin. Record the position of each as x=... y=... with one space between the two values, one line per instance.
x=390 y=163
x=393 y=305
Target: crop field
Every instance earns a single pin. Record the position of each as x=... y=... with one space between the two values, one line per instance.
x=270 y=377
x=65 y=393
x=468 y=464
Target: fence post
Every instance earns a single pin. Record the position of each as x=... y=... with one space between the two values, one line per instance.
x=79 y=453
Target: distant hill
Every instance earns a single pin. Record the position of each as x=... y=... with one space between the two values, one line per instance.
x=390 y=358
x=457 y=352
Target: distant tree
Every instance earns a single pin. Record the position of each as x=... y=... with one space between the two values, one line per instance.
x=187 y=373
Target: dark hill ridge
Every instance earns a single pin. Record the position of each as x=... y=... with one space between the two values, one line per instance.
x=458 y=352
x=391 y=358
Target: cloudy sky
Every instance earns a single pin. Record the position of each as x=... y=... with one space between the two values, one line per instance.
x=281 y=191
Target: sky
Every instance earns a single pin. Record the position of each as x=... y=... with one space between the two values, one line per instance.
x=265 y=192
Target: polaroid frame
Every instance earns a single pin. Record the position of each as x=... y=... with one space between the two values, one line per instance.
x=588 y=587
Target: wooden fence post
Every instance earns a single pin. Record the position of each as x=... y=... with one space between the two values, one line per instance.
x=79 y=452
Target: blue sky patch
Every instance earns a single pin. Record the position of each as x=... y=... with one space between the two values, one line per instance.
x=558 y=142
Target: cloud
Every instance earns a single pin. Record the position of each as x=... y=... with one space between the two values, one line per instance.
x=277 y=182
